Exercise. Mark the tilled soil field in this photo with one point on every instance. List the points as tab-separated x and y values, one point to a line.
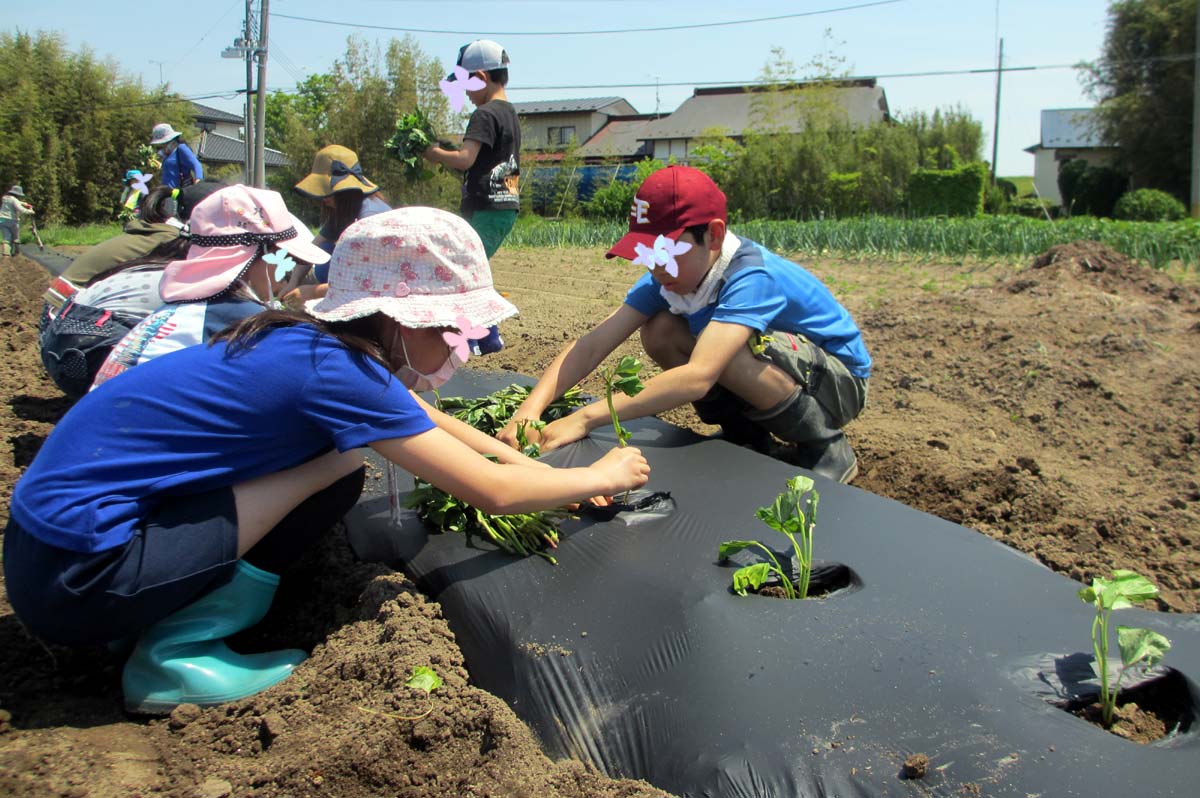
1053	405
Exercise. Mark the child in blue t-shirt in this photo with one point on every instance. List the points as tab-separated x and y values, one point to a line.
756	343
166	501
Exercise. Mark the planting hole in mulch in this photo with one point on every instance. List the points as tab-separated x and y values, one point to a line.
1158	708
827	579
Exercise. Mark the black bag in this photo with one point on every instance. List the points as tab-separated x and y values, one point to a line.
76	342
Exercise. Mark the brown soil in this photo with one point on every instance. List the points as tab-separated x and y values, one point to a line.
1129	721
1054	407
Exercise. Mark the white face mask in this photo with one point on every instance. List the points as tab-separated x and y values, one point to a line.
417	381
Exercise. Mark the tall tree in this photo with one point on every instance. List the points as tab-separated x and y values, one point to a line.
71	125
356	104
1143	82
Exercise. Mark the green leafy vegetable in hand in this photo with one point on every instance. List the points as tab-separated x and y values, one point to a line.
1137	645
414	134
624	378
794	515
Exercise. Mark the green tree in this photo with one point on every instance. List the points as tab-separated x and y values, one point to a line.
70	125
1143	82
356	105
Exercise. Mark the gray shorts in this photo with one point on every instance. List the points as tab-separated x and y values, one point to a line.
822	378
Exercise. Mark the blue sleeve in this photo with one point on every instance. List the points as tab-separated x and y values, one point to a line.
170	170
358	402
192	163
646	297
750	298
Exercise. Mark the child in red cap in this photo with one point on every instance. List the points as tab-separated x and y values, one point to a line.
756	343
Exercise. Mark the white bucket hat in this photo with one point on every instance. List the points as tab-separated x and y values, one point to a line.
423	267
162	133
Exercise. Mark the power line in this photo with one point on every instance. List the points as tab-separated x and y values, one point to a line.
592	32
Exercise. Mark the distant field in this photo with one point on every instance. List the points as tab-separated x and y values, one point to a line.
1024	185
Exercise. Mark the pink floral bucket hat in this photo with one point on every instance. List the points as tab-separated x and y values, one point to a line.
423	267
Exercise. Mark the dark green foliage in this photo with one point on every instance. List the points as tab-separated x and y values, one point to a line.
71	125
1008	187
1070	175
1098	191
1149	205
948	192
844	195
614	200
1143	81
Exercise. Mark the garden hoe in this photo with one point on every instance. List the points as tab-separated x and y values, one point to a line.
37	237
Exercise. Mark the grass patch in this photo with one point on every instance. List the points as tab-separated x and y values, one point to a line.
62	235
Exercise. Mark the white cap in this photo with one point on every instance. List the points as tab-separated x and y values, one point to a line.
482	54
162	133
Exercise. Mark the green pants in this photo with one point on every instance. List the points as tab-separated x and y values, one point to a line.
493	227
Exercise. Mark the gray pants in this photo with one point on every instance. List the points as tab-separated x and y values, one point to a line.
827	396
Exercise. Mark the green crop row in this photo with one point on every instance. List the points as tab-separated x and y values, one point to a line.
1155	243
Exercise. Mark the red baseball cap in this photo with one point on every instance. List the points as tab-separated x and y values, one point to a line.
669	201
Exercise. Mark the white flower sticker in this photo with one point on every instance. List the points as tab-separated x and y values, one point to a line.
661	254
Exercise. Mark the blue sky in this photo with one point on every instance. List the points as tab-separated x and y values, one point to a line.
887	39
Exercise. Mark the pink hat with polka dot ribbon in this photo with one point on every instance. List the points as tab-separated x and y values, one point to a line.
423	267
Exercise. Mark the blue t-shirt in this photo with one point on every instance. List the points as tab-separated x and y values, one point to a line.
762	290
181	168
196	420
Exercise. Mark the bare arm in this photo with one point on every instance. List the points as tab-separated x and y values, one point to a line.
479	441
461	160
714	351
577	360
501	489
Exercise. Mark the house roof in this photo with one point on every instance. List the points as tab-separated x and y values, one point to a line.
570	106
216	148
1070	127
734	109
205	113
621	136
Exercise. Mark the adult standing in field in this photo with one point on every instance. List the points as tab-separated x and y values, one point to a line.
12	207
346	195
490	157
755	342
159	223
180	166
211	469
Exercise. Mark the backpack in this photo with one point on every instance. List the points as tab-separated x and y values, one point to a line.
76	342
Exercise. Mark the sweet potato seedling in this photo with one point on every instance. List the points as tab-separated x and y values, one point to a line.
423	679
1136	645
623	379
413	135
794	515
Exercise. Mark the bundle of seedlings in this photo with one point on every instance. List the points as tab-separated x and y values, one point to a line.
524	534
492	413
414	134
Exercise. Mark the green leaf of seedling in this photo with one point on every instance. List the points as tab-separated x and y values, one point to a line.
1121	591
625	376
424	679
752	577
1141	645
732	547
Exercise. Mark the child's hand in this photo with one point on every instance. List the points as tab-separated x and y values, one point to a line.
567	429
508	435
625	466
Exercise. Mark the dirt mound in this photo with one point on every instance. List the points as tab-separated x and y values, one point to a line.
1092	263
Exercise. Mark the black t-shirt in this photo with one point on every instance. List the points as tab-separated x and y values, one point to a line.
491	182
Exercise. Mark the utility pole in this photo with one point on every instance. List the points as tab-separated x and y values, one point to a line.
160	66
996	129
248	124
260	125
1196	122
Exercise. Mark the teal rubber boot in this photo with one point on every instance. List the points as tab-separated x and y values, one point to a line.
183	658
